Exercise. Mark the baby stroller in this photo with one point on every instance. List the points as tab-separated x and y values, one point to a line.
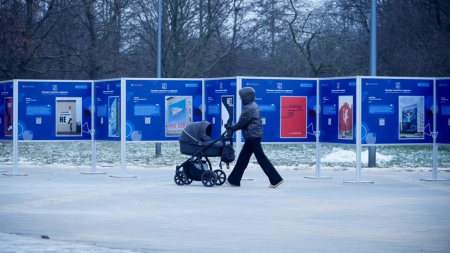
195	140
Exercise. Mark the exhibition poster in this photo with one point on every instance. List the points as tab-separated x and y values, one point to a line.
178	114
293	117
107	114
288	108
227	111
338	117
397	110
54	110
443	111
68	113
411	117
113	116
159	109
345	122
6	110
220	104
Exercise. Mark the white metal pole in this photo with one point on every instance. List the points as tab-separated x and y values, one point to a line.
123	131
358	132
318	111
434	134
94	156
205	98
435	154
317	134
93	112
238	114
317	157
15	130
15	127
92	132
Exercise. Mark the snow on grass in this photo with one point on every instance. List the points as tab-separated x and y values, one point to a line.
338	155
298	156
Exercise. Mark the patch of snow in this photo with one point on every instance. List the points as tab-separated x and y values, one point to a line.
339	155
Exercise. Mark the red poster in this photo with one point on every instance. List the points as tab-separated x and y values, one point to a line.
293	117
8	116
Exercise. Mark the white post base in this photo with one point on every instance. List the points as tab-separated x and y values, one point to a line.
93	173
123	176
359	182
3	171
437	179
17	174
314	177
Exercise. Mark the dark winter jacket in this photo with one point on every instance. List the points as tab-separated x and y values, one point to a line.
250	120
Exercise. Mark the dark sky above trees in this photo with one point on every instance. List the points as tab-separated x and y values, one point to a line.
97	39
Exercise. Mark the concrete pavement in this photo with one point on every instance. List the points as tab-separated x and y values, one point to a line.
97	213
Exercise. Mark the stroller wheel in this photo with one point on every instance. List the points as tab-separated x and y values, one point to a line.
188	181
180	178
221	177
209	178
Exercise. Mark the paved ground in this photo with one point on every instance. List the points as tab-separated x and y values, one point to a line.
97	213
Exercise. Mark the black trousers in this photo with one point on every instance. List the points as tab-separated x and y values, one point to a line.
253	146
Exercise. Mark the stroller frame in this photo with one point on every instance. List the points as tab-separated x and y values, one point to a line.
209	177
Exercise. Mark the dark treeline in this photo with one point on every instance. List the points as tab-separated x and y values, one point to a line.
96	39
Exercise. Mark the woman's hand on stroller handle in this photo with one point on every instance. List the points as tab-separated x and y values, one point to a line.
228	132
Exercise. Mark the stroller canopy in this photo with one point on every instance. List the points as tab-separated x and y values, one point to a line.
196	131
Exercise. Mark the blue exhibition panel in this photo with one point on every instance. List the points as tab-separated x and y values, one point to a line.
6	110
159	109
220	104
396	110
107	112
443	112
54	110
338	102
288	108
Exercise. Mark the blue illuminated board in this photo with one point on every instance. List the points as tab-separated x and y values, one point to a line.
338	117
159	109
288	108
221	104
6	110
108	110
397	110
443	112
54	110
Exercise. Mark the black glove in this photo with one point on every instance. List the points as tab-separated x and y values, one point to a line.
228	127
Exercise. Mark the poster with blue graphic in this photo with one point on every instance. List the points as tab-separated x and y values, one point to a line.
159	109
396	111
338	103
54	110
107	114
288	108
443	111
178	114
220	104
6	110
113	116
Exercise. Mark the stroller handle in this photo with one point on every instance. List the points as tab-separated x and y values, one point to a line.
226	136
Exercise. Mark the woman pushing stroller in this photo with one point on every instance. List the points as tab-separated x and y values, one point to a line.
251	125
